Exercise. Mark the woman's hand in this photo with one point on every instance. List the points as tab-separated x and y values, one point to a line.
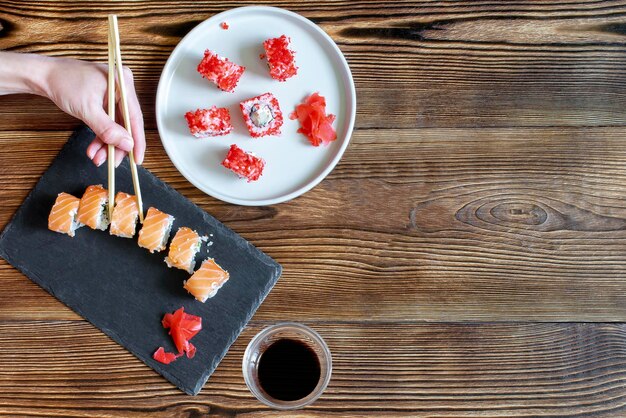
80	89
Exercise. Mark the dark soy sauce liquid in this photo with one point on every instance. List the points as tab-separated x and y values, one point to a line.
288	370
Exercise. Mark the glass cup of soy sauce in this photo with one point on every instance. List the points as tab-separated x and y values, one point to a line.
287	366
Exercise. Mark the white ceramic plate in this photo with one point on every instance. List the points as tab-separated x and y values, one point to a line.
293	166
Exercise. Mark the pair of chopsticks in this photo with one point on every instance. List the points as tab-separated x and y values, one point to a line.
115	65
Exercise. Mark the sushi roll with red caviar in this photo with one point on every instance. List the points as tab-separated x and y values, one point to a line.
280	58
244	164
219	70
262	115
209	122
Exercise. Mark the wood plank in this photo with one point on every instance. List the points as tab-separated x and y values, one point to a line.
458	225
485	182
544	64
488	370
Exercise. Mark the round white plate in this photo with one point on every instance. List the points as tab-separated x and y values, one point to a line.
293	165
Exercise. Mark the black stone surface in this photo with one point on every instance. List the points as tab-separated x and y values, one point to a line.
123	289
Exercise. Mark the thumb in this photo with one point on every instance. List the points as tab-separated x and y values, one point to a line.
108	131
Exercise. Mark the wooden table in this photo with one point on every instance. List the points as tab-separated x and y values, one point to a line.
467	257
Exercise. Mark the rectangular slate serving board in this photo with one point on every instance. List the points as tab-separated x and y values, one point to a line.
123	289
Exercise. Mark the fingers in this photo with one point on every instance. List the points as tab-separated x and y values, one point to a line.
107	130
101	155
136	117
110	133
93	149
119	157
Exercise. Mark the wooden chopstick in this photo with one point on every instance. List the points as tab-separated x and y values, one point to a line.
111	98
126	115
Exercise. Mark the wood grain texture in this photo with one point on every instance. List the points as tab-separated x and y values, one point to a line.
486	370
510	64
485	224
479	208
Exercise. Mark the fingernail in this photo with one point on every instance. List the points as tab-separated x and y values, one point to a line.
91	152
99	161
127	144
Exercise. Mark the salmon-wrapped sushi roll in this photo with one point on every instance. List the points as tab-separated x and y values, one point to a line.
207	280
183	249
63	214
125	214
156	230
93	208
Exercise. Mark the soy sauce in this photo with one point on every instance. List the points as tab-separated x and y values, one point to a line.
288	370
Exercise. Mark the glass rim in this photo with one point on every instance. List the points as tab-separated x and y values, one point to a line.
276	403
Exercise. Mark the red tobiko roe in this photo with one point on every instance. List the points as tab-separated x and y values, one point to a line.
209	122
280	58
183	327
243	163
220	70
314	122
224	25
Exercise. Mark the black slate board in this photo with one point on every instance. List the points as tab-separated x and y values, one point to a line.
123	289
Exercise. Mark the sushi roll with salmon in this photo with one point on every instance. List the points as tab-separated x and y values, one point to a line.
125	214
207	280
219	70
93	208
63	214
280	58
155	230
262	115
183	249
